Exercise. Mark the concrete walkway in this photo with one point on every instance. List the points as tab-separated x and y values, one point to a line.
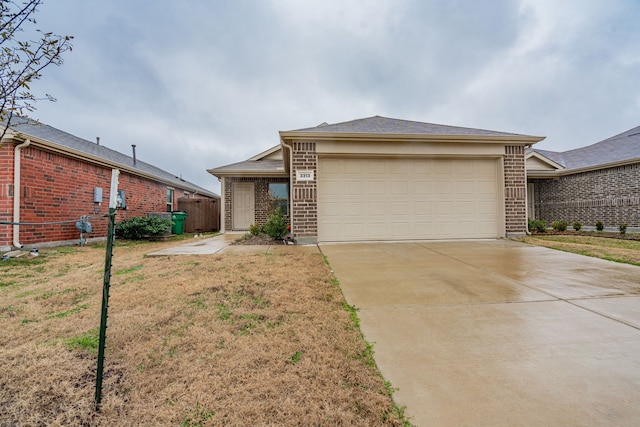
222	244
498	333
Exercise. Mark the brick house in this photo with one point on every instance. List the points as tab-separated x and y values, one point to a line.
599	182
380	178
50	176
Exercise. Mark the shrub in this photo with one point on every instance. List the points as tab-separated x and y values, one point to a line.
577	225
560	225
276	225
140	227
599	226
255	229
623	228
539	225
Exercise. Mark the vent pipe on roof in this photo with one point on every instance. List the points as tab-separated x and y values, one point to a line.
97	140
133	146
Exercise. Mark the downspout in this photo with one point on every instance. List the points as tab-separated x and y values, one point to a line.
16	192
222	216
526	193
284	144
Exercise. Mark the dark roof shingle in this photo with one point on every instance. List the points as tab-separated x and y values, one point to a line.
56	136
618	148
385	125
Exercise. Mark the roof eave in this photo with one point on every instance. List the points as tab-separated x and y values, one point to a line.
81	155
559	173
602	166
218	173
487	139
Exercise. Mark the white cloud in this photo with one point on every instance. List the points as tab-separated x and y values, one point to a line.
202	84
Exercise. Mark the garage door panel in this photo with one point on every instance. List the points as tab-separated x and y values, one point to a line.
485	187
352	188
423	187
400	208
466	187
466	208
376	209
444	188
377	188
399	188
351	167
354	209
397	199
377	167
332	209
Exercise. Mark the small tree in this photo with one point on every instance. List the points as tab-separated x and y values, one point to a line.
22	60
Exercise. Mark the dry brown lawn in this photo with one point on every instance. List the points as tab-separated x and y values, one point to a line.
192	340
612	249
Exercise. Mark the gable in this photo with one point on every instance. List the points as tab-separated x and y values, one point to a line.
537	162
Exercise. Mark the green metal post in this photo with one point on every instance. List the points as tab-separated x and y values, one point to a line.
105	305
115	173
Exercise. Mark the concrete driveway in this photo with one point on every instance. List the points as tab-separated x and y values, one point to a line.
497	332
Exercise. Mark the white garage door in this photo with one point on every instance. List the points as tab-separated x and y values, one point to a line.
400	199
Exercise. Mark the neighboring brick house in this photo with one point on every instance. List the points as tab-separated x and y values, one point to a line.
380	178
600	182
50	176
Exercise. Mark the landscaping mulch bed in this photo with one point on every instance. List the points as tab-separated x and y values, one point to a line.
259	239
606	234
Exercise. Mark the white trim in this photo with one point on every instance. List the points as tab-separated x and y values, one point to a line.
265	153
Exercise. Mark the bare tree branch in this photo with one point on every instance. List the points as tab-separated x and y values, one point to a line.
22	61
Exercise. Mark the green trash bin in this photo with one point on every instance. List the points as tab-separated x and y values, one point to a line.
178	218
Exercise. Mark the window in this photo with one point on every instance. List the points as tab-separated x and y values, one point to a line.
280	194
169	199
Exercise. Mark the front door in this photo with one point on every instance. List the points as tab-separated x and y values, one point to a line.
243	205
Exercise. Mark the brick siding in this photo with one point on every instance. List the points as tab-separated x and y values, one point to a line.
261	197
304	200
515	196
59	188
609	195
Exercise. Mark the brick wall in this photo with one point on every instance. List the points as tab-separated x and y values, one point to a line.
304	201
515	201
609	195
261	197
59	188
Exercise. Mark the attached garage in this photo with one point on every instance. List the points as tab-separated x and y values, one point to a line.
387	179
408	198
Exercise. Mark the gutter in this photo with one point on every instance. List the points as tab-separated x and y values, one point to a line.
16	192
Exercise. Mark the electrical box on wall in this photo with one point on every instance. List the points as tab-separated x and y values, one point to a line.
121	201
97	195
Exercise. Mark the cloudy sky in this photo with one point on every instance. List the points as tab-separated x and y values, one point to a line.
197	84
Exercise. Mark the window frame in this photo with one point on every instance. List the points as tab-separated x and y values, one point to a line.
284	204
170	199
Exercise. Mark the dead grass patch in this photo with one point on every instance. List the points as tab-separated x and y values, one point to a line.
192	340
624	251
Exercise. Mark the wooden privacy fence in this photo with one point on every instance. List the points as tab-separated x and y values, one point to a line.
202	214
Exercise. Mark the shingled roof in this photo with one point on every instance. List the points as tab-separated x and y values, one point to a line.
619	148
28	127
385	125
